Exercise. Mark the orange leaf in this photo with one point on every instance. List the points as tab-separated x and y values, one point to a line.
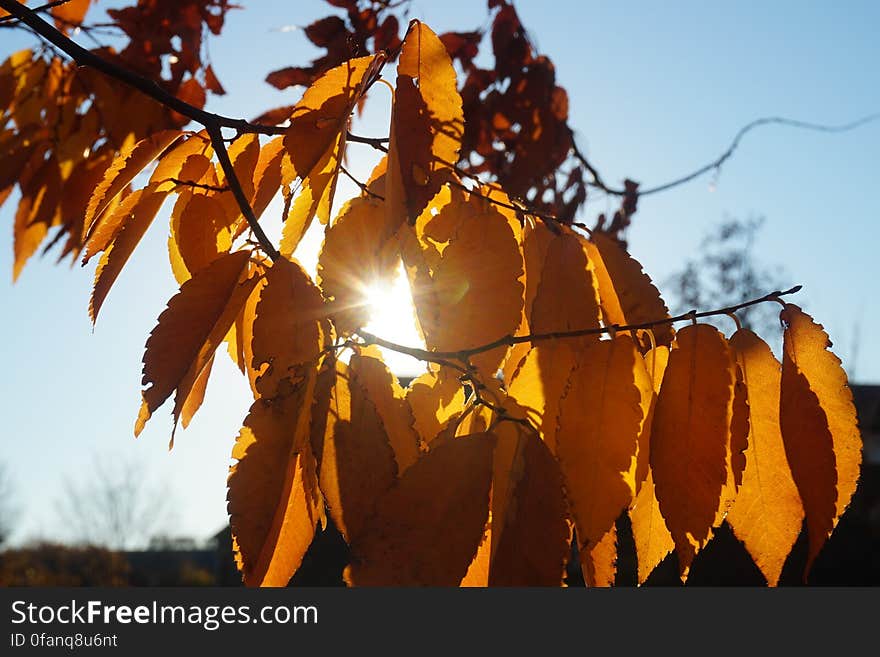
189	329
600	419
652	538
287	327
357	461
538	385
530	536
626	292
427	123
479	268
599	560
384	391
428	526
135	213
565	274
689	437
125	167
355	255
436	399
768	515
819	426
274	502
199	232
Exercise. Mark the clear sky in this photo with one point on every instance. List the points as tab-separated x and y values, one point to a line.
656	90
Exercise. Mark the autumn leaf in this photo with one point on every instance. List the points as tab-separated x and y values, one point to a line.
287	327
125	167
357	461
599	560
480	266
652	539
600	418
274	501
189	329
768	514
131	218
426	125
689	437
819	426
626	292
530	536
426	529
315	142
355	256
436	398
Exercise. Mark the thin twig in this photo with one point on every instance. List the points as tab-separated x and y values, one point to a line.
716	164
46	7
463	355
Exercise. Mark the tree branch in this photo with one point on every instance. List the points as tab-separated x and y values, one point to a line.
716	164
444	357
42	8
213	123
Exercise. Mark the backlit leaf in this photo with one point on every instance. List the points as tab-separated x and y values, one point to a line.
626	292
768	514
125	167
600	418
427	528
435	398
274	503
287	328
136	213
357	461
689	437
599	560
819	426
196	319
652	538
426	125
355	256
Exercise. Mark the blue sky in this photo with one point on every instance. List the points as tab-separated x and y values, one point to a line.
656	90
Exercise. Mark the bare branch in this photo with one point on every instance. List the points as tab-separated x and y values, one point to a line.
716	164
445	357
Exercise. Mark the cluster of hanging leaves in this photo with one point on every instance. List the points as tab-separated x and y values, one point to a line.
516	116
62	126
538	419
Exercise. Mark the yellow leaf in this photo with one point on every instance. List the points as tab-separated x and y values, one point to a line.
427	528
436	398
599	560
189	329
287	327
600	419
480	268
135	213
241	335
652	538
819	426
768	514
355	256
565	274
274	501
530	536
626	292
357	461
199	231
538	385
427	123
370	374
125	167
194	151
244	153
689	437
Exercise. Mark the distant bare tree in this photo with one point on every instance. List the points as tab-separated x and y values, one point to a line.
727	272
8	509
115	505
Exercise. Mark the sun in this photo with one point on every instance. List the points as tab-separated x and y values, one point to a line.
392	317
